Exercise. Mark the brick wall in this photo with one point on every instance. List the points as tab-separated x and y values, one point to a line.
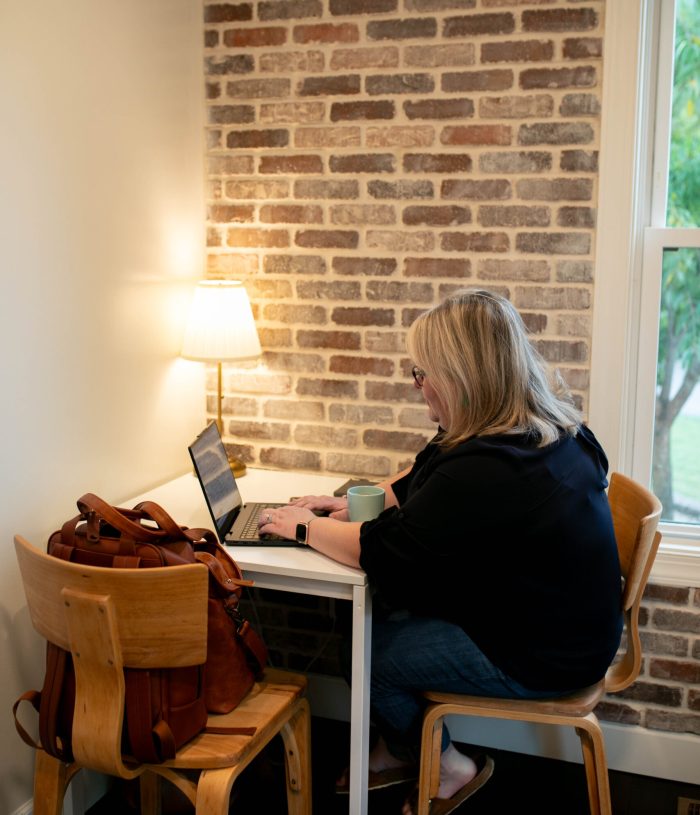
364	158
667	693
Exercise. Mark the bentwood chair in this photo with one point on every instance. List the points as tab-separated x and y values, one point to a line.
636	513
98	615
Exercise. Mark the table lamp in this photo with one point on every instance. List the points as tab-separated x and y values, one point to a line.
220	328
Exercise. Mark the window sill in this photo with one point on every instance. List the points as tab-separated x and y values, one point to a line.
677	562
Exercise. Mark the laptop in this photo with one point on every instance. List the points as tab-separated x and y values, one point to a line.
236	523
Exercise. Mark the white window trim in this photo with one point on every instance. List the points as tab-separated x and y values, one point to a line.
633	28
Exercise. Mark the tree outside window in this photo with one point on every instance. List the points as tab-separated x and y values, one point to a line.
676	455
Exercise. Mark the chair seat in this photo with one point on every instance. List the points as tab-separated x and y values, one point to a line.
577	704
267	702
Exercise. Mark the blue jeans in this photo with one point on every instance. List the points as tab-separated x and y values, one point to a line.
412	654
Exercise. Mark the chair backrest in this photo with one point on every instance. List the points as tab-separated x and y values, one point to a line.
636	513
110	619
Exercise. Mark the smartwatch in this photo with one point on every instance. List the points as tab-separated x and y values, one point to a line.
302	533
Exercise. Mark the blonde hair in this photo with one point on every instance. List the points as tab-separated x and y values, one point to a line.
475	351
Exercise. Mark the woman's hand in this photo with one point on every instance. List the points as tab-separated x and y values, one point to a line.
340	541
335	507
283	521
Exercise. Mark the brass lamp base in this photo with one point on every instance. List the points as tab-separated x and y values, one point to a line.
237	466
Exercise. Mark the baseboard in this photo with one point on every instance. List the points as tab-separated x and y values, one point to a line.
655	753
85	789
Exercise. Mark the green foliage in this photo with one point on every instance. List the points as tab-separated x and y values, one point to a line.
685	443
679	320
679	323
684	169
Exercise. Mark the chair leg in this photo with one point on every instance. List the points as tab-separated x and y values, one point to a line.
431	749
214	786
149	793
595	762
214	790
51	777
296	735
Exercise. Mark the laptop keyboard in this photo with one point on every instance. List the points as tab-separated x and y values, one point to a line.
250	531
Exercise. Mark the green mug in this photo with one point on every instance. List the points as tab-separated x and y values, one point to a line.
365	503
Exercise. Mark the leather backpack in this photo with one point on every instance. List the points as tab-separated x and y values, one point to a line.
164	708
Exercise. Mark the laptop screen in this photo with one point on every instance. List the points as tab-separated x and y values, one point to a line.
218	483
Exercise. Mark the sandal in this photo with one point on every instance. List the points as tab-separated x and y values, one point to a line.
443	806
379	780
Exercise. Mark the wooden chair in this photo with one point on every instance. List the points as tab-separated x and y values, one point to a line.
98	614
636	513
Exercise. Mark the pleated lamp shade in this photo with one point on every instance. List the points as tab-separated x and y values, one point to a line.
220	326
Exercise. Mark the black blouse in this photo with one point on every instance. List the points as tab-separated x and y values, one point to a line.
515	544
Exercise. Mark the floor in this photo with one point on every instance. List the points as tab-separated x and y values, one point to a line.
519	783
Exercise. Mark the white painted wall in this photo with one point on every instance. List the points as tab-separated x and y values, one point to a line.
101	237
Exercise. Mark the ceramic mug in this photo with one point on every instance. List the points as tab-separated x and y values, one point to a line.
365	503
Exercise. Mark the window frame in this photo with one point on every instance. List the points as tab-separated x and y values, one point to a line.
637	81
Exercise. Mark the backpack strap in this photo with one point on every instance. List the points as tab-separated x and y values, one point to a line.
156	513
34	697
227	589
230	731
50	703
225	584
256	650
148	744
119	519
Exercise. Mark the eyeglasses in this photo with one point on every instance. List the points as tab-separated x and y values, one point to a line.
418	375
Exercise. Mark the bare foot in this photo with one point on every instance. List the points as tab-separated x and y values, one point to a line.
379	759
456	770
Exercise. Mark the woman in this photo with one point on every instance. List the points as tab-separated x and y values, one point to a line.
494	563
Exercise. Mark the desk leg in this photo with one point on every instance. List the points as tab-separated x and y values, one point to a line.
359	698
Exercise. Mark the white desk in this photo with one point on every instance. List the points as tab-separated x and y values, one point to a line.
295	569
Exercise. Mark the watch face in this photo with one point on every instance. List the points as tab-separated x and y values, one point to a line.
302	532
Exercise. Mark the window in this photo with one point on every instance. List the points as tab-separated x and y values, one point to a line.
670	294
644	395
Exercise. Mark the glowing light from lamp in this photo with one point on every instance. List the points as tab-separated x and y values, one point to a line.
220	327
